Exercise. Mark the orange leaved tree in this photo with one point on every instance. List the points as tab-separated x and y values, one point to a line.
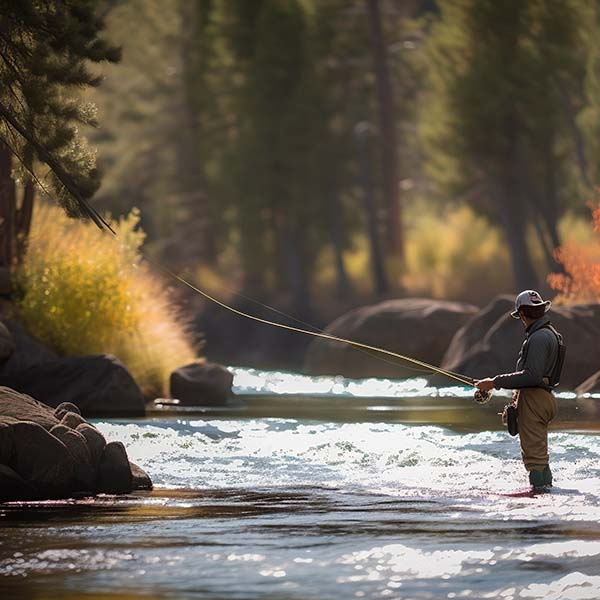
581	280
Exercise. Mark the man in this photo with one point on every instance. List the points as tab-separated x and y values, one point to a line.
538	370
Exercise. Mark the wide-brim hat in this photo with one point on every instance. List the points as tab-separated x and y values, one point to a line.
529	298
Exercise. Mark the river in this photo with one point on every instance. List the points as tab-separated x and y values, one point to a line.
310	508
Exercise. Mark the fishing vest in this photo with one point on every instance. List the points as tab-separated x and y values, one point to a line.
552	379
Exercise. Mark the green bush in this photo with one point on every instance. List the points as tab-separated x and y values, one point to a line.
85	292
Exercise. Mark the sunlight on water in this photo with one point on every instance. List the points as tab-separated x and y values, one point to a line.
395	459
254	381
289	508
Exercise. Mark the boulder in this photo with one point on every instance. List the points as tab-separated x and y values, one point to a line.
590	386
43	461
42	458
201	384
85	473
28	352
114	470
416	327
140	479
99	385
7	443
13	487
490	342
72	420
65	407
24	408
95	441
7	343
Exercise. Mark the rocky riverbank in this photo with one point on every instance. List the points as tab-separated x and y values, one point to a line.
50	453
456	336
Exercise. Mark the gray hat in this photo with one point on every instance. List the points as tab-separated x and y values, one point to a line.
529	298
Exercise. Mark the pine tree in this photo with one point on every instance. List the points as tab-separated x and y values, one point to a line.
494	124
46	49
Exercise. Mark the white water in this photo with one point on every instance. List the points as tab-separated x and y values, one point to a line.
283	508
393	459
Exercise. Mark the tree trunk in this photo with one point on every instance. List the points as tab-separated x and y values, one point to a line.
544	203
298	282
570	115
512	212
192	183
389	149
336	231
378	269
510	197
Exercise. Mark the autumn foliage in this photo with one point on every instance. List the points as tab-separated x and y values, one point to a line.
84	293
581	280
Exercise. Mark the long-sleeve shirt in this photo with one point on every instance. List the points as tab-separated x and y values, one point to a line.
536	359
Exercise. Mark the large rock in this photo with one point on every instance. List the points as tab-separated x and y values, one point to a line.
72	420
24	408
13	487
95	441
7	443
66	407
85	473
28	352
43	461
140	478
415	327
204	384
114	470
489	343
590	386
42	458
99	385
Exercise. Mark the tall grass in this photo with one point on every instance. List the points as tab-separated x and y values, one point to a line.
85	292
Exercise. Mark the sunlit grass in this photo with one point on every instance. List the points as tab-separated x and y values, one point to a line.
86	293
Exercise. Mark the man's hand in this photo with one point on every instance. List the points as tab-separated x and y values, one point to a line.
485	384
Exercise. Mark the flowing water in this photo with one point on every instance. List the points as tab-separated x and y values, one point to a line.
299	508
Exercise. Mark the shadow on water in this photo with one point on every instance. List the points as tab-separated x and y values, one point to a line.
352	513
51	549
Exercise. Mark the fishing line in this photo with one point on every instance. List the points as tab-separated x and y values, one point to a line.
455	376
318	329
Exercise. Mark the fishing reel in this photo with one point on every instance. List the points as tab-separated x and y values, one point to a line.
482	397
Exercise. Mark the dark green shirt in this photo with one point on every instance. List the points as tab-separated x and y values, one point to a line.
536	358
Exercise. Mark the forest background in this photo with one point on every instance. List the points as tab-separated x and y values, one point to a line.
316	155
301	151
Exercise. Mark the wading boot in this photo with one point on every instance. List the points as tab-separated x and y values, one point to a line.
547	476
536	478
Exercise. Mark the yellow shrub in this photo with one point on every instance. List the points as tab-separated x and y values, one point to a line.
455	254
87	293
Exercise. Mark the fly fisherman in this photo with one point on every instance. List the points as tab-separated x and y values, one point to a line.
538	371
